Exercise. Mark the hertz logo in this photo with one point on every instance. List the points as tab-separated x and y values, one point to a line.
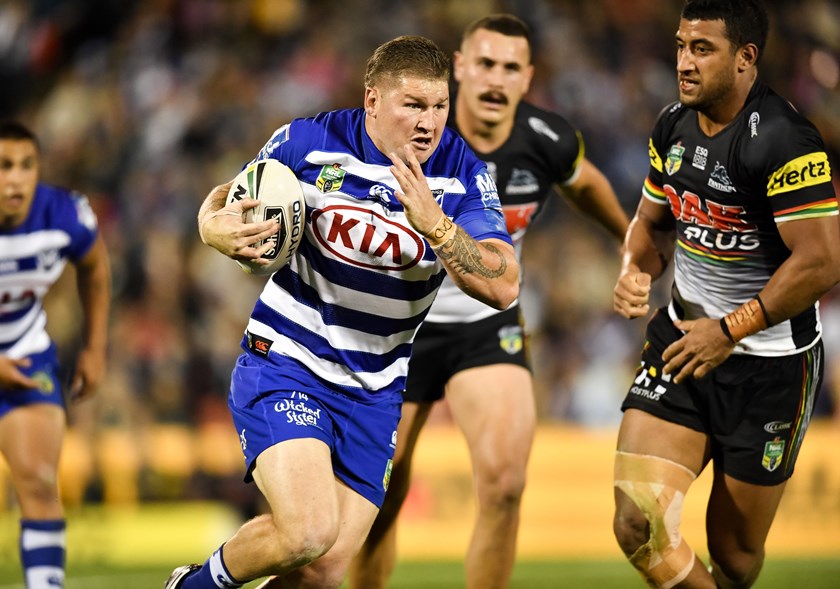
808	170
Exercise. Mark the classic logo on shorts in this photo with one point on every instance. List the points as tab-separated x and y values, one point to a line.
773	452
386	480
45	383
674	161
330	179
510	339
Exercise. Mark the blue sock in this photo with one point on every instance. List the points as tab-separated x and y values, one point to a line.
42	552
212	575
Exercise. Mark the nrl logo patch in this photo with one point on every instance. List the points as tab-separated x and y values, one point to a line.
386	480
674	161
510	339
45	383
330	179
773	452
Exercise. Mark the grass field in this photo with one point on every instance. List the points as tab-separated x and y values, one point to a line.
578	574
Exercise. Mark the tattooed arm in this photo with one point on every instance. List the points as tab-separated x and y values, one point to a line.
475	266
486	270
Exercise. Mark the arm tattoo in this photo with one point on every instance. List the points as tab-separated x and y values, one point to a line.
463	252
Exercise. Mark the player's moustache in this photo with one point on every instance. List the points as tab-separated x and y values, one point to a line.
494	97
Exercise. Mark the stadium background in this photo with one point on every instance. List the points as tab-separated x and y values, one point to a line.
146	104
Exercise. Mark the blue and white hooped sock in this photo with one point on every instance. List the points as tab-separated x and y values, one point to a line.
213	574
42	552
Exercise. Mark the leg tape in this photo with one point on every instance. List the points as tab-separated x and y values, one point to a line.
657	486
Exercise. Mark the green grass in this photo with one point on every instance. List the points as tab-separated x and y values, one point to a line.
576	574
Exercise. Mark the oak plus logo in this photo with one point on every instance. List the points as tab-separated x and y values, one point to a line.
715	225
519	217
366	239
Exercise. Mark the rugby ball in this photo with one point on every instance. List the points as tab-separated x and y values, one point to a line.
280	197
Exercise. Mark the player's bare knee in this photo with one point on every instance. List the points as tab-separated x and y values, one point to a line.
301	543
500	485
657	488
37	482
736	569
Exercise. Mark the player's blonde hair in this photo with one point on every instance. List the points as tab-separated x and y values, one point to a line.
409	55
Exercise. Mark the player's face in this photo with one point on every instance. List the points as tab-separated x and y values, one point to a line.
706	64
494	72
407	111
19	164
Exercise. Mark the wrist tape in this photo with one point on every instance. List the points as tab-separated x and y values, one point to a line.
443	231
746	320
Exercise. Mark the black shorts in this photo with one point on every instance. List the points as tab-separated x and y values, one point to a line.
755	409
441	350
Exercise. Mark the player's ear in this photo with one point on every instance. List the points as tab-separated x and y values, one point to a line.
747	56
372	100
529	75
457	65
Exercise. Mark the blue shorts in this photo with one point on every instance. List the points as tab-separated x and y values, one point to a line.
361	438
44	369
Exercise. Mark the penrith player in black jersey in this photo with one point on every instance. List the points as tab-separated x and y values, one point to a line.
739	193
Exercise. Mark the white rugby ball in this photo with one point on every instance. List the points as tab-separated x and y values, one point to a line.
280	197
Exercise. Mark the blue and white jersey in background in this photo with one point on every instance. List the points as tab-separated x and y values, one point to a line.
60	226
345	310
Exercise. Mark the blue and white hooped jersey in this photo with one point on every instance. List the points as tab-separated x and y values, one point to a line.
60	226
347	307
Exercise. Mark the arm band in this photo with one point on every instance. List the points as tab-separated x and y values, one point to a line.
744	321
443	231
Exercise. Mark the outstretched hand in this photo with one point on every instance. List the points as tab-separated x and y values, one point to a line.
226	230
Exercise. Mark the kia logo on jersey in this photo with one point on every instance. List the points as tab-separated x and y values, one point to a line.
365	238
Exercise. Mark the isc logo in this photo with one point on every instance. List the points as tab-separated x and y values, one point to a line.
365	238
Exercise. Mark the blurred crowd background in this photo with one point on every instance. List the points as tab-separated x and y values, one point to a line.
145	105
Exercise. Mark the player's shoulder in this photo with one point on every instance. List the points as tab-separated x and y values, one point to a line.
327	123
56	206
50	197
771	121
542	124
336	130
671	115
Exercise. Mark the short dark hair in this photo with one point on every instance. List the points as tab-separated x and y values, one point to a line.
409	55
17	132
746	21
506	24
